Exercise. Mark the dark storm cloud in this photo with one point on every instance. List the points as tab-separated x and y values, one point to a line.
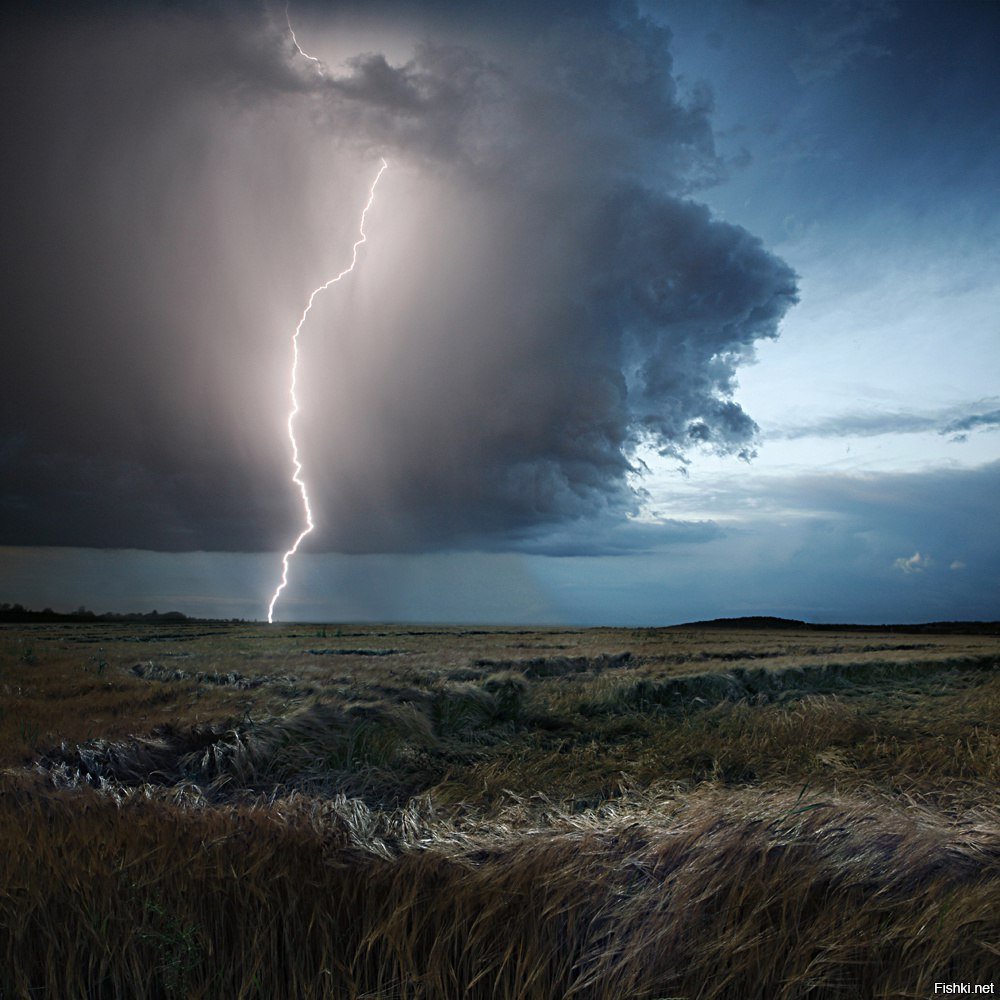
589	97
621	537
938	503
544	298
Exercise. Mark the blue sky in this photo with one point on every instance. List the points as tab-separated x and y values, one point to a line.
590	266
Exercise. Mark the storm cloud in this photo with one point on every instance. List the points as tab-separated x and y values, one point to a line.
541	296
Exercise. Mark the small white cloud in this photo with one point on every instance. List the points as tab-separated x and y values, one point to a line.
914	564
957	565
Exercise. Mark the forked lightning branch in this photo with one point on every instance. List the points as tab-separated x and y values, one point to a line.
295	407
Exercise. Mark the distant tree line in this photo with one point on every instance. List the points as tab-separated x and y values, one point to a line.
18	613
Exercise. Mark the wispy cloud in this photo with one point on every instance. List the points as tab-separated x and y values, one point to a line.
954	421
835	35
960	427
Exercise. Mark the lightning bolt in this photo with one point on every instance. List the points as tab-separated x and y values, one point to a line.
295	42
293	413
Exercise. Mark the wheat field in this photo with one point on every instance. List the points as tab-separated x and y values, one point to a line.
413	813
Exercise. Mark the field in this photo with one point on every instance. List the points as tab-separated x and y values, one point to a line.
405	813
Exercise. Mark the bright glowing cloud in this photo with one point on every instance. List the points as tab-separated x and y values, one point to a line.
916	563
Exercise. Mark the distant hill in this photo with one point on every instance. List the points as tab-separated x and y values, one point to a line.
754	621
769	623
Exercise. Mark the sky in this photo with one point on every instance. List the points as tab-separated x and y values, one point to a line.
667	310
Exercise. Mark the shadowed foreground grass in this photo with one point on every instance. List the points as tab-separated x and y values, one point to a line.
707	895
496	814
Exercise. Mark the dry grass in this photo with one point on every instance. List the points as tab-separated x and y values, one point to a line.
420	814
706	896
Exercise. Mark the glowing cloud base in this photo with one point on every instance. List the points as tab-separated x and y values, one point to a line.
293	413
